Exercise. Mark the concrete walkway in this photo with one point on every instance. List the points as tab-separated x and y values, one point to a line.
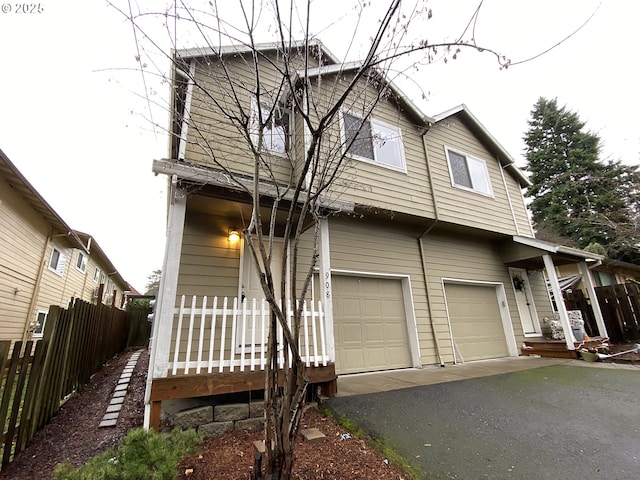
110	418
362	383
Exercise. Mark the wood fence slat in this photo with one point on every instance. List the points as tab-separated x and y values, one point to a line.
8	389
25	434
23	373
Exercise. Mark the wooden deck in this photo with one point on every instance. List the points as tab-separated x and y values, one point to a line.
545	347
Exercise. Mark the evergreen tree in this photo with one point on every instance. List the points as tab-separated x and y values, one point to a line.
577	196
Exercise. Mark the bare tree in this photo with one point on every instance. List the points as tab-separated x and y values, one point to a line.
283	109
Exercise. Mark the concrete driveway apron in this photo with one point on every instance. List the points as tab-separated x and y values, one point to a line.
553	422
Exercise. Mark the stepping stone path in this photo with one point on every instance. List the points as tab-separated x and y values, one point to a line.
117	400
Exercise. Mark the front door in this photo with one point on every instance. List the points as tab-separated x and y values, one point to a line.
524	301
251	287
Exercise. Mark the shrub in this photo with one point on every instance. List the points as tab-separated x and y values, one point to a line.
142	455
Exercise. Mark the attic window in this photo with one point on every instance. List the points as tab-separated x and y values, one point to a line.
373	141
469	173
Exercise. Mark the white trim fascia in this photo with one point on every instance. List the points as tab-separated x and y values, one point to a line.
186	114
503	305
506	189
259	47
348	66
553	248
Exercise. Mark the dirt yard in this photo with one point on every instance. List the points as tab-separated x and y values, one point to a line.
74	435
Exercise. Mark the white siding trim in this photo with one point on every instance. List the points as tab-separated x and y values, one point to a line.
505	315
186	116
326	288
506	189
409	308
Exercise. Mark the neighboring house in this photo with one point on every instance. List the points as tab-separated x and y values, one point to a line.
43	261
605	273
429	258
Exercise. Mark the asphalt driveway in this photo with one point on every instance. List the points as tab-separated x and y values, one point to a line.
556	422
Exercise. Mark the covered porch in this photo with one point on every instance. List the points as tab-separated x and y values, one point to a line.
532	255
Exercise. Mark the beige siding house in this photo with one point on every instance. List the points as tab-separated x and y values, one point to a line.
425	250
44	262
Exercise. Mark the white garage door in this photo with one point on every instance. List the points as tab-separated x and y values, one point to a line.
476	322
370	325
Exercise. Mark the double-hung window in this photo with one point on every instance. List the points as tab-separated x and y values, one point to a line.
57	261
373	141
81	263
275	131
469	173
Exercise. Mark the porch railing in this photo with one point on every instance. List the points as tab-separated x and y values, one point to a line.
214	336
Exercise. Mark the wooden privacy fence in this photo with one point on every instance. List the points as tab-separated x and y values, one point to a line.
35	379
620	307
220	337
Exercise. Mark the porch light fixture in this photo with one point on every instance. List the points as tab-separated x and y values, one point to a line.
234	235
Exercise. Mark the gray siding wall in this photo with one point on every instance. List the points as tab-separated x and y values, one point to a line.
464	207
377	251
464	259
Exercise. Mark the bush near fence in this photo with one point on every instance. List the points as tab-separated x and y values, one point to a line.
39	375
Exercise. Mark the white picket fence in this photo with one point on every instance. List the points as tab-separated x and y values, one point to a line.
223	338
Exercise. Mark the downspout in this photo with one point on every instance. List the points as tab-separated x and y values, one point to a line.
36	289
425	275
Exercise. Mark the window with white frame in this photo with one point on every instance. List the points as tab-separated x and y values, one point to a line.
57	261
468	172
41	318
96	275
81	263
372	140
275	133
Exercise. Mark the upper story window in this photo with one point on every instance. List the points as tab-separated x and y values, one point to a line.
81	263
275	134
469	172
372	140
57	261
96	275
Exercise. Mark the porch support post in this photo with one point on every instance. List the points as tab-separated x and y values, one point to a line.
595	306
557	294
160	342
325	287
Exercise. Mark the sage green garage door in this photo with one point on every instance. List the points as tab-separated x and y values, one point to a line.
476	322
370	325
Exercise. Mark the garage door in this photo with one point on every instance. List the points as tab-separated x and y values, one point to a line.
476	322
370	325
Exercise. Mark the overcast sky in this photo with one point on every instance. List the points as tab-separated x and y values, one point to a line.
76	122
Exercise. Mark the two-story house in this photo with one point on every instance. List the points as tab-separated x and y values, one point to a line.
44	262
426	252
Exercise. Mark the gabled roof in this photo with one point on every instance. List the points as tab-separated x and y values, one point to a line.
404	101
196	52
95	251
489	140
23	188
